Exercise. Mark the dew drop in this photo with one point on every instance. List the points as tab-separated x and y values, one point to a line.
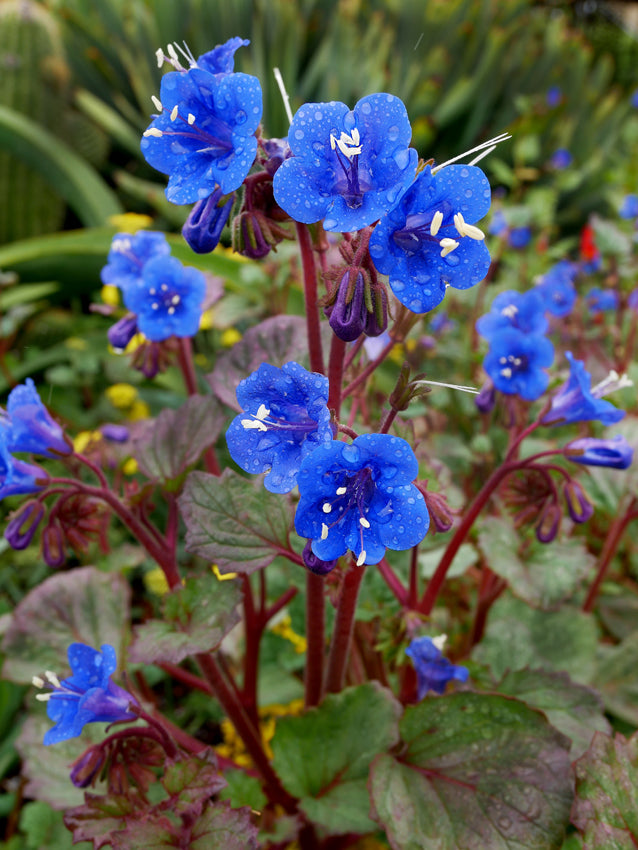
465	172
318	115
402	158
393	133
366	108
299	134
468	193
240	117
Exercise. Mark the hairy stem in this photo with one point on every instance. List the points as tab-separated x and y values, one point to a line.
315	637
343	629
311	295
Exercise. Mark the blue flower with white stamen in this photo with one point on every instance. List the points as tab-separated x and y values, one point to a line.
516	362
360	497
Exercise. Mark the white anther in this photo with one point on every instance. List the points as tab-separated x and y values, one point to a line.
362	558
439	641
159	53
164	287
347	144
191	118
153	131
517	361
157	103
502	360
51	677
262	412
171	310
611	383
173	53
253	425
341	491
506	373
121	245
473	232
44	697
459	223
174	112
437	221
175	299
510	311
38	681
364	522
324	531
448	245
327	507
155	305
152	291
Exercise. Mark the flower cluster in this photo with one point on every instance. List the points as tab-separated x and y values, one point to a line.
164	297
89	695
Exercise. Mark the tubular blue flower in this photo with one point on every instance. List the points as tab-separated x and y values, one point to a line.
167	299
615	453
204	135
128	254
429	240
516	362
577	401
207	219
557	289
29	425
348	166
433	671
524	311
601	300
561	159
221	59
89	695
360	497
122	332
285	419
629	208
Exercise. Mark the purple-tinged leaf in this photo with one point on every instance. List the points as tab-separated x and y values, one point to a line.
234	522
158	832
476	771
177	438
223	828
99	819
191	781
615	678
196	616
605	810
84	606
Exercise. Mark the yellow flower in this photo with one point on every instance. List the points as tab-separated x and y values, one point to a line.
110	295
155	582
84	439
207	320
284	629
130	222
130	467
139	410
76	343
229	337
122	396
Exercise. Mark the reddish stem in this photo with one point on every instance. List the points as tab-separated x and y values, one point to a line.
315	637
393	581
343	629
186	677
254	627
310	291
413	592
612	542
335	374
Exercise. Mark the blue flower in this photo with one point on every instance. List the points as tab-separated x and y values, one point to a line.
17	478
167	299
629	208
348	166
615	453
516	362
557	289
498	224
89	695
561	159
523	311
128	254
361	497
433	671
634	99
207	219
429	240
285	419
29	425
576	401
221	59
601	300
554	96
204	135
519	237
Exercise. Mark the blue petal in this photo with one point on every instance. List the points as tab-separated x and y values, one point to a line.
91	668
221	59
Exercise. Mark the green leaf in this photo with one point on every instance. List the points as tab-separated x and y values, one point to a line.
192	780
83	605
195	619
518	636
234	522
547	576
243	790
575	710
616	678
619	613
44	829
463	560
24	293
99	819
223	828
68	174
323	756
477	771
606	805
177	438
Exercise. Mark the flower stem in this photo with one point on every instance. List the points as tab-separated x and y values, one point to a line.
315	631
186	364
343	629
611	544
310	292
335	374
393	581
369	369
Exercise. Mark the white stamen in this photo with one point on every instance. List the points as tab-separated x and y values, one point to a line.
38	681
174	112
155	305
362	558
439	641
510	311
284	94
164	287
506	373
44	697
175	299
611	383
51	677
448	245
347	144
327	507
170	311
473	232
491	144
459	223
437	221
262	412
364	522
153	131
157	103
159	53
341	491
173	54
502	360
324	531
121	245
426	382
191	119
517	361
152	291
253	424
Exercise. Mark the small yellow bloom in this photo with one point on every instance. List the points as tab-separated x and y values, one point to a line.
76	343
130	467
110	295
139	410
222	576
229	337
130	222
84	439
155	582
284	629
207	320
397	354
122	396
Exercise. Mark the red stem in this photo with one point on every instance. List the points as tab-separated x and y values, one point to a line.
186	677
612	542
413	592
335	374
393	581
311	295
315	637
254	627
187	366
343	629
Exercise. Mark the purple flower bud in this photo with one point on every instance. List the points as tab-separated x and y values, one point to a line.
206	221
115	433
432	669
377	318
122	332
440	512
348	315
277	150
53	546
85	769
579	507
486	399
315	564
615	453
548	522
22	527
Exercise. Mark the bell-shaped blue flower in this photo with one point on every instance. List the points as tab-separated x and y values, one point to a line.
204	135
433	671
519	237
576	401
128	254
524	311
30	426
601	300
285	419
360	497
629	207
516	362
561	159
17	478
89	695
348	167
615	453
429	240
557	289
167	299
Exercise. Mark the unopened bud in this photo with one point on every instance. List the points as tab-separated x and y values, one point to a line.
22	527
85	769
122	332
579	507
440	512
206	221
53	546
486	399
548	522
315	564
